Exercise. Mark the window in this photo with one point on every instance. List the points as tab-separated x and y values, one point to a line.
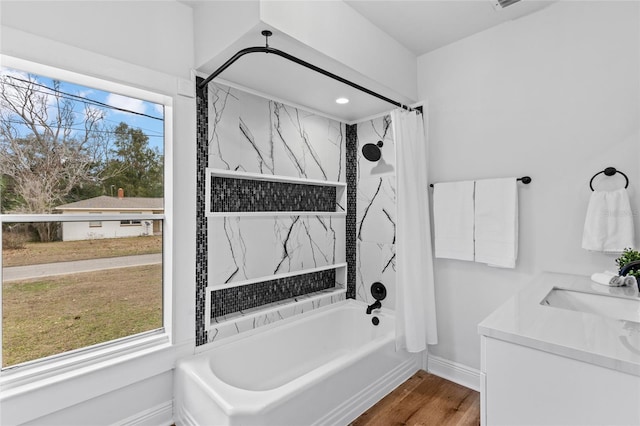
131	222
87	137
95	223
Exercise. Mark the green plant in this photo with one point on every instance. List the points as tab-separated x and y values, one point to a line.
628	255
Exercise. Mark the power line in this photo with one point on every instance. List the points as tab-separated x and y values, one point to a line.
146	131
82	130
81	98
76	97
151	132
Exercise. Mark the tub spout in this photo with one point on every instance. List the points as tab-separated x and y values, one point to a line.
376	305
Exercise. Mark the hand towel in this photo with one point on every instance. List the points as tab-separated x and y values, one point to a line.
608	226
496	222
608	278
453	220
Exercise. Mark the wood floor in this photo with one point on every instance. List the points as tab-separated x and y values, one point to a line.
426	400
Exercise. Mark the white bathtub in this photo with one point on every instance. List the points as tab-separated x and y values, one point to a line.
326	366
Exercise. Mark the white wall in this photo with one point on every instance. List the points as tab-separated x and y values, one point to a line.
218	24
554	95
326	26
154	34
73	231
147	45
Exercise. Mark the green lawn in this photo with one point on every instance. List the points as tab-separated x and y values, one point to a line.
57	314
61	251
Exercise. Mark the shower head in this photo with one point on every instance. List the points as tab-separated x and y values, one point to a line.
372	151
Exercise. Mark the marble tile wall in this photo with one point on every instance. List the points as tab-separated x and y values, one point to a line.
244	248
248	133
253	134
376	212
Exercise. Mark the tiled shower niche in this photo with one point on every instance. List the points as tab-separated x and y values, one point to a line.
234	192
242	298
250	304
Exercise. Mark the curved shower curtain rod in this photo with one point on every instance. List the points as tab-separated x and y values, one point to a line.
267	49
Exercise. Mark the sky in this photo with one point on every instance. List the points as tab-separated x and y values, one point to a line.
137	113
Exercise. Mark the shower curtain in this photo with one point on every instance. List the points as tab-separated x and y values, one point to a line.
415	297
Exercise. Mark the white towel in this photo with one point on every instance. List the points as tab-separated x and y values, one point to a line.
496	222
612	279
608	226
453	220
607	278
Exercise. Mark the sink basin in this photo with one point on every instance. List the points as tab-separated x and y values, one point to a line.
621	308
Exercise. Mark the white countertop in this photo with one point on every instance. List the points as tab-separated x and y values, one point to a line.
591	338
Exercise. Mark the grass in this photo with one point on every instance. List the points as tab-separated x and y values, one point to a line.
62	251
57	314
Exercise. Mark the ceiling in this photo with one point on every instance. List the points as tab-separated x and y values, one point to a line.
423	26
419	25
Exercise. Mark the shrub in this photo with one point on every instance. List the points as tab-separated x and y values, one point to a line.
14	240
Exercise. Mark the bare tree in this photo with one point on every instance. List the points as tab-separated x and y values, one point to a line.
45	149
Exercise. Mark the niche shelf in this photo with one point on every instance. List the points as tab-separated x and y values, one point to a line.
231	193
339	288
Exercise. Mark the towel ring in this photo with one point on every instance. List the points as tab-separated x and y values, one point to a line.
609	171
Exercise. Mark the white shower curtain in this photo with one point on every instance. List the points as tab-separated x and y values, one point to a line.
415	297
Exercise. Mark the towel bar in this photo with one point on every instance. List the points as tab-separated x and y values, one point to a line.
524	179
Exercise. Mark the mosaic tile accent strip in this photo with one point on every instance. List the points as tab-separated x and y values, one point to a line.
246	195
202	160
236	299
352	183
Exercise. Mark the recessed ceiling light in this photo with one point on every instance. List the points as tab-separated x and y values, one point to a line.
342	101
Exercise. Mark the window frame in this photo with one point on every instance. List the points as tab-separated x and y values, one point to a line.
126	347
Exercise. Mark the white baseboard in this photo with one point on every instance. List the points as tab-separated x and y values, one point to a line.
365	399
453	371
161	414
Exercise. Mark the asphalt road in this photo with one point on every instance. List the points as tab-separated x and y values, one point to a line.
16	273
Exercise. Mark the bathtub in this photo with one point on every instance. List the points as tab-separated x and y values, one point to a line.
326	366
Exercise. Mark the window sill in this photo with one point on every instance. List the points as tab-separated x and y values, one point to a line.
33	391
24	377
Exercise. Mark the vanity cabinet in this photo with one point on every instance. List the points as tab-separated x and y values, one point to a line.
525	386
549	362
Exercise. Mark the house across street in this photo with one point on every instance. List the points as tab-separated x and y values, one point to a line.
103	204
